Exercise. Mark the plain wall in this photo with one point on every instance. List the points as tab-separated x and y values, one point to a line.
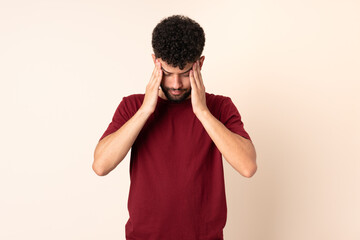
291	67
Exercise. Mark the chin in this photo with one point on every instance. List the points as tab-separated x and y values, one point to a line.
179	98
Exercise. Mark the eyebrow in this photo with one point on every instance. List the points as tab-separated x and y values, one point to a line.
179	73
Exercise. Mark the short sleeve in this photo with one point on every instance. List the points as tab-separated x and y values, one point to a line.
121	116
231	118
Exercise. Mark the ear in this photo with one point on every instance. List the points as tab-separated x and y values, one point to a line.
201	60
154	58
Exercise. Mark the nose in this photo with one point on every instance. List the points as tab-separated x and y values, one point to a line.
177	83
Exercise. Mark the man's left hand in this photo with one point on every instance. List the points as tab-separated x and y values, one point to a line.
198	97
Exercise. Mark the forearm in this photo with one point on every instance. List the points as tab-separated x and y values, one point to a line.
238	151
112	149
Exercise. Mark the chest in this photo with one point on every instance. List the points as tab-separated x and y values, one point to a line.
175	126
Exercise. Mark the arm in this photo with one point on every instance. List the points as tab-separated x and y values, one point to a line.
238	151
112	149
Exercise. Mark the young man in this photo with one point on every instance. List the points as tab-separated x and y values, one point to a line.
178	134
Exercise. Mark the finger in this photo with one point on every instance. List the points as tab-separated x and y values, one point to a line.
159	76
154	71
199	74
192	80
196	74
156	81
154	78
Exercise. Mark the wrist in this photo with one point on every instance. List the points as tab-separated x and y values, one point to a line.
203	113
144	111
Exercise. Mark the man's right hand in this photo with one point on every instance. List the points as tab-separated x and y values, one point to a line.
112	149
152	90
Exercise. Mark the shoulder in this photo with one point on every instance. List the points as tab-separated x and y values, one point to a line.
131	102
217	104
215	99
134	97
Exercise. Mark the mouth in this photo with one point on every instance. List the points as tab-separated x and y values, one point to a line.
176	92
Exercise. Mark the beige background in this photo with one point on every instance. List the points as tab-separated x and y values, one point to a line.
291	68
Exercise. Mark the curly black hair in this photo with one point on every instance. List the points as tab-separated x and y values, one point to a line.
178	40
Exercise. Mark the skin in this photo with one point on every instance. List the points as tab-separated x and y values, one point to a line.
175	78
237	150
112	149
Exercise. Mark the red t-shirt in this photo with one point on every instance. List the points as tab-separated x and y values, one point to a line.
177	189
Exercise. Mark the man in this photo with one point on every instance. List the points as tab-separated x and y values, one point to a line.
177	133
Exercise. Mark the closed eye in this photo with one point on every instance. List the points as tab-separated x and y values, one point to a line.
184	75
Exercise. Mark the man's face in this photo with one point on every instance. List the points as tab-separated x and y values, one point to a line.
175	83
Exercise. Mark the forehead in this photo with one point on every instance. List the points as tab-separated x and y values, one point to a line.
171	69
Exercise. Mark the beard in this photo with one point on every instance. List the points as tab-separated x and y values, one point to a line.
175	98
